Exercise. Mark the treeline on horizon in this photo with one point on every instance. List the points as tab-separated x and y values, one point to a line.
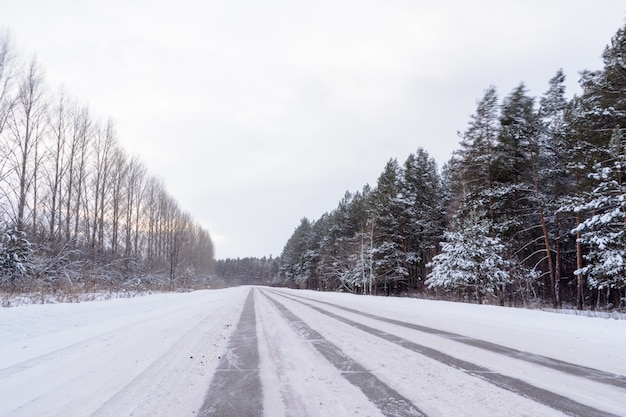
530	209
77	213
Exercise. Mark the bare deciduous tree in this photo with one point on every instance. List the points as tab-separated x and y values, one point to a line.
72	197
104	146
76	174
7	99
26	125
134	195
59	121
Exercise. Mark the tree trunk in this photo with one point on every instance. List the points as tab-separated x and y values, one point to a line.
579	266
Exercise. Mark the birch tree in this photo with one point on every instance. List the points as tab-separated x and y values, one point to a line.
7	100
59	125
26	122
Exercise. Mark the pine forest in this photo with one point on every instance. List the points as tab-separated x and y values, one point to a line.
530	209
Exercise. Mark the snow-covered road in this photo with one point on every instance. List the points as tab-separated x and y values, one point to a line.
276	352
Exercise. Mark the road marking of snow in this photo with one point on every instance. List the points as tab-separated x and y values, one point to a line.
389	401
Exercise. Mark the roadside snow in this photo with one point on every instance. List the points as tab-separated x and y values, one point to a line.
70	359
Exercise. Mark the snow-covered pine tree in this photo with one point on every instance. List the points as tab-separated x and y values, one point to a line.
554	180
389	232
15	251
295	265
604	98
591	120
471	258
423	213
604	232
339	248
360	260
499	151
470	174
512	167
476	155
518	196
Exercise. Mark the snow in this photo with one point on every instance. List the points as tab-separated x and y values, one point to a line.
156	355
301	387
70	359
597	343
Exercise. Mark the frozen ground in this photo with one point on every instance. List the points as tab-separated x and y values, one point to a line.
276	352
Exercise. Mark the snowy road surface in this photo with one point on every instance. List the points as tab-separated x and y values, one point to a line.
276	352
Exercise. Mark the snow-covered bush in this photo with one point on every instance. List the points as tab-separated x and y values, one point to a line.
15	251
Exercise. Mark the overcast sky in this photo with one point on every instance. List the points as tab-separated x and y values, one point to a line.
258	113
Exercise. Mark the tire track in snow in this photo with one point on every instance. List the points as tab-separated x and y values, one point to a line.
274	351
389	401
540	395
236	386
556	364
170	375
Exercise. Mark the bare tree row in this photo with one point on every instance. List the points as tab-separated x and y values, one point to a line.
75	208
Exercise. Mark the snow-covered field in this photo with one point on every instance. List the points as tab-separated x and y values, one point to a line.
309	354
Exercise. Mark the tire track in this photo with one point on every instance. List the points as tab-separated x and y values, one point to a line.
603	377
287	399
164	376
540	395
236	386
389	401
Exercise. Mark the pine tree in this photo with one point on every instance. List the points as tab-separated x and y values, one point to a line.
296	266
603	96
389	232
470	174
422	213
15	258
604	232
476	167
554	178
591	119
518	204
471	259
338	248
